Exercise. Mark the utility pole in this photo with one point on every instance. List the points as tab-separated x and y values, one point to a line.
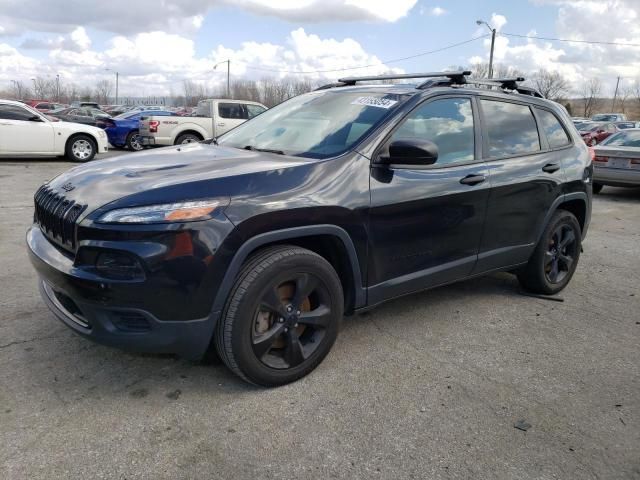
493	43
58	87
228	62
117	79
615	95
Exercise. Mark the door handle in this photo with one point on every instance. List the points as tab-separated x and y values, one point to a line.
221	124
551	167
472	179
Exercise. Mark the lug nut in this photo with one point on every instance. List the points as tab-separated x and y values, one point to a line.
296	325
289	308
298	312
281	320
286	329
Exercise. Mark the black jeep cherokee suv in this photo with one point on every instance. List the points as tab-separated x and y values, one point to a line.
332	202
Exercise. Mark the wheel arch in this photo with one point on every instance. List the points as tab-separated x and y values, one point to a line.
187	132
576	203
331	242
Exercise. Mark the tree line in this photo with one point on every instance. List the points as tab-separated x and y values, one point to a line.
584	99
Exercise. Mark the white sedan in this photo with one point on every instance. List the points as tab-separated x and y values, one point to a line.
24	131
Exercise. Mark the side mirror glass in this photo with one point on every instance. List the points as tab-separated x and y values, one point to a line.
410	151
34	118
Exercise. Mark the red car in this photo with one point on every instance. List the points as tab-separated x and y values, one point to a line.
44	106
594	133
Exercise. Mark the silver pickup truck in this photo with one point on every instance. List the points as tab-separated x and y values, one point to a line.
213	118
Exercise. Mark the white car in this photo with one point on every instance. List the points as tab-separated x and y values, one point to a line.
24	131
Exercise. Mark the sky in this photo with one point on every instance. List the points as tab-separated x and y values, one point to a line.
157	44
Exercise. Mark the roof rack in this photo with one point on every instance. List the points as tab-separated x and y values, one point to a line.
443	79
454	77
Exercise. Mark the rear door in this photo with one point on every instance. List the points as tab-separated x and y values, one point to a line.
526	174
20	135
426	221
229	115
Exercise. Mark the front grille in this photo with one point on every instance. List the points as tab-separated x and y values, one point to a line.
57	216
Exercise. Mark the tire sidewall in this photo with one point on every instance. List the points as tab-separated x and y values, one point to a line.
243	304
561	217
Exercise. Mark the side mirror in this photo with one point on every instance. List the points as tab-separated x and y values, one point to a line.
34	118
410	151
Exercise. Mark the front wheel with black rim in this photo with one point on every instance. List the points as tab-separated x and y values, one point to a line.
282	316
133	141
81	148
556	256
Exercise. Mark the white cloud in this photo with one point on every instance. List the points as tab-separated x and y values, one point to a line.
128	17
438	11
152	63
498	21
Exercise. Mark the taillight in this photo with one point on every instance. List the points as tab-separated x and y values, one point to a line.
599	158
153	126
635	161
592	153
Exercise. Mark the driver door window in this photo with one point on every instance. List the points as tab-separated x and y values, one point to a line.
448	123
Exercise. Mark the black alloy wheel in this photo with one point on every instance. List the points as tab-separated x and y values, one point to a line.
561	254
291	321
282	316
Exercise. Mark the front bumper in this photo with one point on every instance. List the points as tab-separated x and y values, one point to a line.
91	307
616	177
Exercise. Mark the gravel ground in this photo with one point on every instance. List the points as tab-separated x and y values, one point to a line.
428	386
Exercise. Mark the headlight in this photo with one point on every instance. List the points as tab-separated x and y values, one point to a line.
164	213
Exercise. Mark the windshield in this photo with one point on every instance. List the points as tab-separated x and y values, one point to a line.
623	139
319	124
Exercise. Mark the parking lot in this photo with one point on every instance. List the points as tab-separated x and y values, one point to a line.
427	386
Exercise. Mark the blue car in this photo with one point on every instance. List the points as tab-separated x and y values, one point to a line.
122	130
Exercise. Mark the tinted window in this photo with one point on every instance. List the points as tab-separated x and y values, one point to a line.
232	111
448	123
511	129
556	135
12	112
254	110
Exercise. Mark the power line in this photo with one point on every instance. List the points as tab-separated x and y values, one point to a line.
592	42
386	62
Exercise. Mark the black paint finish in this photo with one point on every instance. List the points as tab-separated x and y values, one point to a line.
398	229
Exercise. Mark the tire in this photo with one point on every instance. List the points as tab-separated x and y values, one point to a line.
133	141
549	261
81	148
597	188
276	280
187	138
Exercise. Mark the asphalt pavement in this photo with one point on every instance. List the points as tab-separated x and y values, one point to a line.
469	381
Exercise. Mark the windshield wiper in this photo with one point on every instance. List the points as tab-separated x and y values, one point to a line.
268	150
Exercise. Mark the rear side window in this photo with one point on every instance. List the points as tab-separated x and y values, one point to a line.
510	128
234	111
556	135
12	112
254	110
448	123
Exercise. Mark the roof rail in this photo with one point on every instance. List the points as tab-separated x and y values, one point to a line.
443	79
453	76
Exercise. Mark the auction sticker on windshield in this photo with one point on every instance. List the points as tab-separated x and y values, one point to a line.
374	102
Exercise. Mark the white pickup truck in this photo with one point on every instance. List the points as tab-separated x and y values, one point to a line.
213	118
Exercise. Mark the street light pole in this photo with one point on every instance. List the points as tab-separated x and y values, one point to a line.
117	78
228	62
493	42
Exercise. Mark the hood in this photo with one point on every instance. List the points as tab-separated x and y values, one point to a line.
180	172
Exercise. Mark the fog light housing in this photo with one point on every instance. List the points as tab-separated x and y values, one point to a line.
119	266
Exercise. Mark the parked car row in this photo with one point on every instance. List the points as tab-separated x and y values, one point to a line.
601	126
617	161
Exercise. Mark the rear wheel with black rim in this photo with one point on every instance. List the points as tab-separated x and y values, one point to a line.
556	256
282	316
